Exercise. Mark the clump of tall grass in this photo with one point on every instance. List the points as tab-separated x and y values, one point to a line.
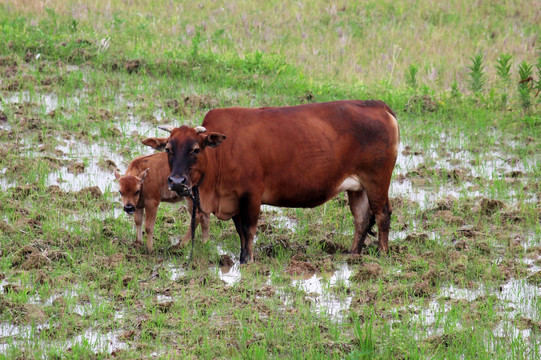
525	72
477	75
411	76
503	70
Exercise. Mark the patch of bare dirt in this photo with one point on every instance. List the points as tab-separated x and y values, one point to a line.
7	61
10	71
30	123
226	261
332	247
93	192
489	206
132	66
367	272
108	165
33	314
200	101
300	268
417	237
408	151
12	86
6	228
422	289
527	323
421	103
445	340
113	260
448	217
535	279
76	168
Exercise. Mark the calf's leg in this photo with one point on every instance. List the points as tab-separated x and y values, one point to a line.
151	210
138	217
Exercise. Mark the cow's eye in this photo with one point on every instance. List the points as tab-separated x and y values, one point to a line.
137	192
196	150
120	192
167	150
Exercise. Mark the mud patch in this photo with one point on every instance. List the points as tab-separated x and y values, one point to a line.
368	272
299	268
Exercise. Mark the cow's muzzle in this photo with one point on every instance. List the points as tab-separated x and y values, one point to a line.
129	209
179	184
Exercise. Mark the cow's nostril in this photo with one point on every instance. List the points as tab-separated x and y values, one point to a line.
177	181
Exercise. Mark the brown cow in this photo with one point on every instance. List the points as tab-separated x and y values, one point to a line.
143	188
297	156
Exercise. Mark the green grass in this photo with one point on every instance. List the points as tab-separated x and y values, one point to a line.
72	279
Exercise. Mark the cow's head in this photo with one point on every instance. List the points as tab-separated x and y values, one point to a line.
130	189
187	156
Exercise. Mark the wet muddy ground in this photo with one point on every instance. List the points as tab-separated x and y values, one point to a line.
465	243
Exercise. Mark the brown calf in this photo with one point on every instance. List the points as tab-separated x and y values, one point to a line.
143	188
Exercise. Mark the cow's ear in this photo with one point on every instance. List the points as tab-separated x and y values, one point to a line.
155	142
212	139
142	175
117	175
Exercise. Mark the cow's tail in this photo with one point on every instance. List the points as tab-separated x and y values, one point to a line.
370	231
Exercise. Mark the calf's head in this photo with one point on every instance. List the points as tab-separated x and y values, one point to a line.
187	156
130	188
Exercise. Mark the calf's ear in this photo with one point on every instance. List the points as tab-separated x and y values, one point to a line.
155	142
213	139
117	175
142	175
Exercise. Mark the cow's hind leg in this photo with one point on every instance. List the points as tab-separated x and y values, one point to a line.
362	218
382	210
246	225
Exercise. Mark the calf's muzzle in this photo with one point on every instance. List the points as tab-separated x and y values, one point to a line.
130	209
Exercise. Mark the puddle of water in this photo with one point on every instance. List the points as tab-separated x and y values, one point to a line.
319	289
279	218
490	165
162	299
22	336
521	296
49	101
5	183
93	175
230	275
175	272
426	196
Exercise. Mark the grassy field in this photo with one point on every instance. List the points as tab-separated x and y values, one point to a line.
81	83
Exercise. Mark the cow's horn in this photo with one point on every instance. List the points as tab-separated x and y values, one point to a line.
166	127
200	129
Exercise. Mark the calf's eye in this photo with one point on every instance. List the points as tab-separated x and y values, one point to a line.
137	192
120	192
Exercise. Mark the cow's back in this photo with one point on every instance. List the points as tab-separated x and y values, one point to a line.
301	154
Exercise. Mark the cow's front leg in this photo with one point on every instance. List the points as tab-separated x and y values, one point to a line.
138	217
246	225
204	220
151	210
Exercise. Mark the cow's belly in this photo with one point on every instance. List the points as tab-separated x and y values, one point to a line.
309	196
351	183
